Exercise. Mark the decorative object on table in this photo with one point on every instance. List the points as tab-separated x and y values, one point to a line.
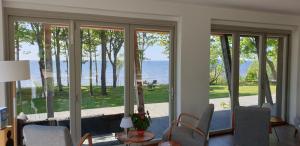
13	71
3	117
22	116
141	121
297	125
126	123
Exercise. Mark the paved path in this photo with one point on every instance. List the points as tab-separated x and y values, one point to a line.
155	109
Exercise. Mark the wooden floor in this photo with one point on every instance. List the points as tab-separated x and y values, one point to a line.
285	133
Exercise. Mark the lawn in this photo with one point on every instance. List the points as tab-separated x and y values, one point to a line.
26	104
220	91
159	94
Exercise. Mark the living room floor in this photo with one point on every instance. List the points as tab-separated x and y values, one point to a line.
285	134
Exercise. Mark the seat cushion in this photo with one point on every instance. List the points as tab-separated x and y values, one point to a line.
36	135
184	137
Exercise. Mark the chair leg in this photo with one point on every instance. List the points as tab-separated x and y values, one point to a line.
296	131
276	134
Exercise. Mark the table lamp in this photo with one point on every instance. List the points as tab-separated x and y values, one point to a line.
126	123
14	71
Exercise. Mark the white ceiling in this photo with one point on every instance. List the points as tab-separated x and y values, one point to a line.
277	6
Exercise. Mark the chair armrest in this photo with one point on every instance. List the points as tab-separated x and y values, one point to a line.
86	136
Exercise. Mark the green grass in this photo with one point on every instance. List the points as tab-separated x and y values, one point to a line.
115	96
221	91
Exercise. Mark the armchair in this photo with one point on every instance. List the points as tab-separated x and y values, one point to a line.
187	133
36	135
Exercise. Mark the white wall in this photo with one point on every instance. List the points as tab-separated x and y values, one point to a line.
194	23
2	93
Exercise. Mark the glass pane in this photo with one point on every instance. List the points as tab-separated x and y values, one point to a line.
102	81
249	67
271	64
152	70
219	93
46	47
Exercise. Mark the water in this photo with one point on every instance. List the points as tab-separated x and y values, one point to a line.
152	70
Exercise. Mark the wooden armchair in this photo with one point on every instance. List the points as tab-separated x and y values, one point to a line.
36	135
185	132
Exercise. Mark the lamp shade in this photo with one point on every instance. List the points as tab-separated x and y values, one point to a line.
14	71
126	122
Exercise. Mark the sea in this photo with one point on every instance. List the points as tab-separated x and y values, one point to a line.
151	70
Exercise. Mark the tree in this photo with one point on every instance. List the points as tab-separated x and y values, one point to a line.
22	34
272	57
104	39
116	41
65	51
38	35
145	40
90	41
252	72
57	43
164	41
216	64
49	70
249	51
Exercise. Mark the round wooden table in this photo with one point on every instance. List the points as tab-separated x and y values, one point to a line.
168	143
133	137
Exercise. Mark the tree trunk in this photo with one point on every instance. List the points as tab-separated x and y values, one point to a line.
114	66
91	73
38	30
18	56
49	71
226	59
67	60
268	95
103	38
96	67
57	59
272	67
91	63
138	76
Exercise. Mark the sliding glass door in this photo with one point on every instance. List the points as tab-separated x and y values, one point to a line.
45	45
85	75
220	81
246	69
102	80
45	96
152	74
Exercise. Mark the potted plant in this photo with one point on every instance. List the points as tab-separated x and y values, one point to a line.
141	122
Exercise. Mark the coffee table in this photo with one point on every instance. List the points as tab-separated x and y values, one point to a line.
134	137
